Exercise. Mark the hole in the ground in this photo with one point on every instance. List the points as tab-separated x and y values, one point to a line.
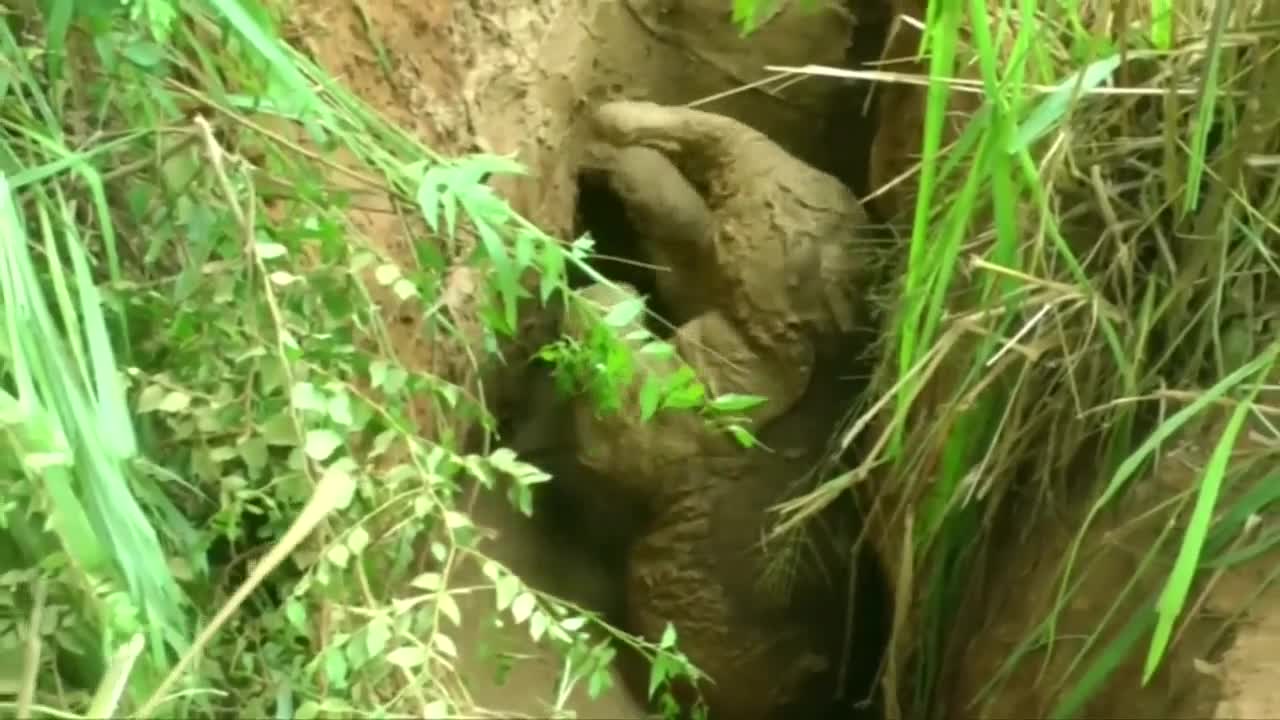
575	507
847	130
853	632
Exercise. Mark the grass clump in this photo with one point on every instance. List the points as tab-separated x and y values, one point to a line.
211	444
1089	281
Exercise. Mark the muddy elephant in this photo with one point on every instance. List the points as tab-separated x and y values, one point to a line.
765	286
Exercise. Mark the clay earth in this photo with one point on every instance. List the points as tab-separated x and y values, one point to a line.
520	79
763	273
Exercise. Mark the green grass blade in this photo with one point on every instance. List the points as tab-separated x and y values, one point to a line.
1174	596
1206	106
1109	660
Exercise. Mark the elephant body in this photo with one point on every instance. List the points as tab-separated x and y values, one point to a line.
767	623
764	280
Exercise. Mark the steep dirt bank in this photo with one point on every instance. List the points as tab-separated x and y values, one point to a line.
516	78
1223	661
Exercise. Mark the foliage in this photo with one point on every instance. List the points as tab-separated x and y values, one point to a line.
1090	274
199	380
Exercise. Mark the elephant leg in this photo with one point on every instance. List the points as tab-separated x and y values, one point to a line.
674	225
712	151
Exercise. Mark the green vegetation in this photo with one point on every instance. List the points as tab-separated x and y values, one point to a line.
211	444
1091	274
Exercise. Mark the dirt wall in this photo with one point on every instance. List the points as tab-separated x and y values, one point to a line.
1223	656
516	78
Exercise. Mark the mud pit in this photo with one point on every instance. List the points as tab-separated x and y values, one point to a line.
523	78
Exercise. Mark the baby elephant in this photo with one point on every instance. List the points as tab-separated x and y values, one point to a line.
765	279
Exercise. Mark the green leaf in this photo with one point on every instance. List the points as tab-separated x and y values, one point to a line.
150	398
659	349
445	645
407	657
428	195
283	279
688	395
657	673
449	608
320	444
538	624
404	289
377	635
335	666
625	312
339	407
143	54
599	681
339	555
357	540
523	607
296	613
280	430
650	397
1055	105
306	398
337	480
429	581
734	402
668	637
552	262
1174	596
174	402
507	586
386	274
742	436
270	250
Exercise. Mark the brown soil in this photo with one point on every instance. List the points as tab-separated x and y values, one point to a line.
1217	665
510	77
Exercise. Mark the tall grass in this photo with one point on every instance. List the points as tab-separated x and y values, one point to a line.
1089	275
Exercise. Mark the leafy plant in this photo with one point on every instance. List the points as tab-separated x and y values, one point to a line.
212	428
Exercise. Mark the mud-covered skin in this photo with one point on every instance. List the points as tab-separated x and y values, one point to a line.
581	503
764	264
772	649
764	270
784	235
678	227
772	643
